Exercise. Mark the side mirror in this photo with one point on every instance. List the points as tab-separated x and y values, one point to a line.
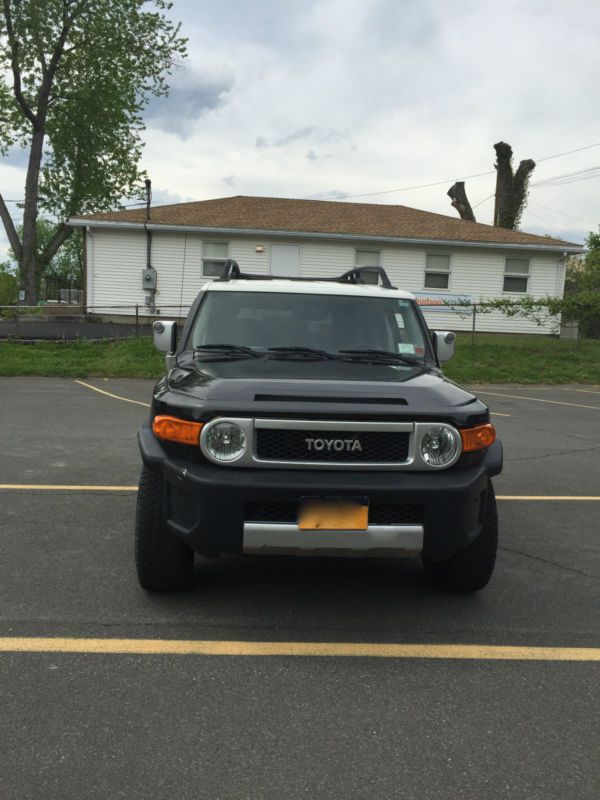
165	336
443	345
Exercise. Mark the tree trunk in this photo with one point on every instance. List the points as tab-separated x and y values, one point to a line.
511	189
458	196
29	265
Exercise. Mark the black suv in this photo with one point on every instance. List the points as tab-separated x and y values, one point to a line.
311	417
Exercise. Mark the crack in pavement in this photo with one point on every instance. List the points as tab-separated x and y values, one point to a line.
548	561
555	454
551	431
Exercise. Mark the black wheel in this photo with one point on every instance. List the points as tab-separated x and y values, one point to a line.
163	563
470	569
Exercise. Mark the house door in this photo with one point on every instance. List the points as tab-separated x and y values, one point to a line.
285	260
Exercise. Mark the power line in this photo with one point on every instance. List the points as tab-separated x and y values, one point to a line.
420	186
409	188
541	205
568	152
485	199
544	222
588	174
561	213
465	178
130	205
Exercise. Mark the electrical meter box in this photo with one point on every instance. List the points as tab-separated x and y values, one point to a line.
149	278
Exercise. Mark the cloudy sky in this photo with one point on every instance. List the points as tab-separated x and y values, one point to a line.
365	99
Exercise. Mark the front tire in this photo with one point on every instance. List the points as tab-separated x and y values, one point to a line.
470	569
162	562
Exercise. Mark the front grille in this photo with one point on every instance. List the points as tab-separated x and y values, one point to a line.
273	444
379	513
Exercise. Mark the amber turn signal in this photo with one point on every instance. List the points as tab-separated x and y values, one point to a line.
176	430
477	438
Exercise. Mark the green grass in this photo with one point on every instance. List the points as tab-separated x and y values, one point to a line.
524	359
128	358
492	359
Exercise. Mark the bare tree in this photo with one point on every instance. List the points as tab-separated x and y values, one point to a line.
511	190
460	201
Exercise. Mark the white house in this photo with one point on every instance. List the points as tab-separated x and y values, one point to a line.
161	262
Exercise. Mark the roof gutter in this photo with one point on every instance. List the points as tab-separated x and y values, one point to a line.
155	226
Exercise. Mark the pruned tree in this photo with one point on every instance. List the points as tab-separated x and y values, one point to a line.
80	73
458	195
511	190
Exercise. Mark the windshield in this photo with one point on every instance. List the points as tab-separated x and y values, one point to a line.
334	323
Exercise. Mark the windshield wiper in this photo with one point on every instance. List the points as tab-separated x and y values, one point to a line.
308	353
218	351
380	357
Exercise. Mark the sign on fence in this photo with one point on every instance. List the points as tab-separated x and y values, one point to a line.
443	301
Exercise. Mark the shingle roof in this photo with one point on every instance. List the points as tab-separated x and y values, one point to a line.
326	217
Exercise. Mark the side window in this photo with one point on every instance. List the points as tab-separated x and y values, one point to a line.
516	275
437	271
368	258
214	256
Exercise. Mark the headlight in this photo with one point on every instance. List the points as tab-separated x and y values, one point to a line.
438	446
226	441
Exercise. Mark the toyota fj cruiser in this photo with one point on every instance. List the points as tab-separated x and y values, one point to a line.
310	417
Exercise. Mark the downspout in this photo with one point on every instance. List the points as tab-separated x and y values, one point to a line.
149	273
561	274
88	264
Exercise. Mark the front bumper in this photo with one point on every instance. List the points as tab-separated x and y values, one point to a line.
205	505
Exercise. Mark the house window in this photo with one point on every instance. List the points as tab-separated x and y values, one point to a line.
437	271
214	256
516	274
368	258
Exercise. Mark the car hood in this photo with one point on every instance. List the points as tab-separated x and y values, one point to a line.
304	388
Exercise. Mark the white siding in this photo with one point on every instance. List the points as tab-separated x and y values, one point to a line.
177	259
116	260
480	274
321	259
405	267
244	252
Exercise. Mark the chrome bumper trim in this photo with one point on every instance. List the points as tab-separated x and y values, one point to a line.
400	541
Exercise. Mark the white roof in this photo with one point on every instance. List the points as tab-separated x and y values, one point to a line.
279	285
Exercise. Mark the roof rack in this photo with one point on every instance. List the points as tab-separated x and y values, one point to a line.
232	271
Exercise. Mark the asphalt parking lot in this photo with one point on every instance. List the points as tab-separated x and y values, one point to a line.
166	725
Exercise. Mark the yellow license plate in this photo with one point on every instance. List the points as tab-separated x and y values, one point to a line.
333	515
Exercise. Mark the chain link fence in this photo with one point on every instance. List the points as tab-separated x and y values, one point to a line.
57	321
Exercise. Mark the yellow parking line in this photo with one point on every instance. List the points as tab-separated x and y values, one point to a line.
545	498
110	394
584	391
10	644
58	487
538	400
65	488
